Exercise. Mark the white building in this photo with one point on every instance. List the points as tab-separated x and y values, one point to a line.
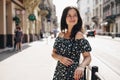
86	10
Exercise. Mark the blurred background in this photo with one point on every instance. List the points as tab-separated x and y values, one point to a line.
40	23
43	16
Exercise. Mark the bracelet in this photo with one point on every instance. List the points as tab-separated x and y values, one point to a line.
81	66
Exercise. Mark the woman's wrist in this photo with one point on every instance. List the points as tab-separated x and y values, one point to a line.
81	68
60	58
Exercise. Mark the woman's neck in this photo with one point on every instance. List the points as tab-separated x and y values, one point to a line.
69	30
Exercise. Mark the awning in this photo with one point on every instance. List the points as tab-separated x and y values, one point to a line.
95	19
110	19
117	1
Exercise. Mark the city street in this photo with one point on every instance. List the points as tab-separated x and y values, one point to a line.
34	62
35	23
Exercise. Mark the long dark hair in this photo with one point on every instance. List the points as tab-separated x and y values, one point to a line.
76	28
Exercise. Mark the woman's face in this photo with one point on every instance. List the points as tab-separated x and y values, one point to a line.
72	17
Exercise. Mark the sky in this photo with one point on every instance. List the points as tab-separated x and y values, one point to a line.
61	4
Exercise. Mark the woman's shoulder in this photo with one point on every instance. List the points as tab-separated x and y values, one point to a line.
79	35
61	35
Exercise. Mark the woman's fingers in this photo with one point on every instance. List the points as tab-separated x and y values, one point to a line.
78	74
69	61
66	61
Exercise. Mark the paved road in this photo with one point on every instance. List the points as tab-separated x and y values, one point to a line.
33	63
105	55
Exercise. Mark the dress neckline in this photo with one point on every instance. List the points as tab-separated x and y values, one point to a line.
71	39
65	38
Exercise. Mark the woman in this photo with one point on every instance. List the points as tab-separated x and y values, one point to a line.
68	47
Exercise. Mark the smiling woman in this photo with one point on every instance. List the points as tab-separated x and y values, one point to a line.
69	45
61	4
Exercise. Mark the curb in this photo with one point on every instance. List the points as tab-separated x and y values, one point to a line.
6	49
109	37
11	48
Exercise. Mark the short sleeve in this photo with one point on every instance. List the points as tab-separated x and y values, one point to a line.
85	46
56	43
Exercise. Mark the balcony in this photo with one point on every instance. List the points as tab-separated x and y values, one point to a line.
44	10
95	19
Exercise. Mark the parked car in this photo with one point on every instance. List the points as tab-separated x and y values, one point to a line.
90	33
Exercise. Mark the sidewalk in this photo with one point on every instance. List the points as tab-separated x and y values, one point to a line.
5	49
11	48
32	63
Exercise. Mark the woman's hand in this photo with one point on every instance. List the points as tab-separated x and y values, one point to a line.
66	61
79	72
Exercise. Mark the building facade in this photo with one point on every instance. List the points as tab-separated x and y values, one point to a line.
98	15
28	15
111	17
86	11
105	15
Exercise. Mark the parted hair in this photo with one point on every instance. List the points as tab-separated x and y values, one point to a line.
77	27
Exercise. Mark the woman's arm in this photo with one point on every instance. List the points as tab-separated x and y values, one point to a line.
64	60
79	72
86	55
86	59
56	56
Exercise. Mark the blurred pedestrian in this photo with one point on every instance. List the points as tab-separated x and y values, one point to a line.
18	38
15	39
41	34
55	33
69	45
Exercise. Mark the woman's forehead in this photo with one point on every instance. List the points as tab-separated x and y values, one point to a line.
72	11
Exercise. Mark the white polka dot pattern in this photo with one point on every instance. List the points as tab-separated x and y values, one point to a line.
72	49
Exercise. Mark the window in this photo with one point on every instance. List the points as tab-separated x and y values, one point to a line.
118	8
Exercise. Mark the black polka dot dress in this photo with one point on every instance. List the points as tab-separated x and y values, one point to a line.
72	49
